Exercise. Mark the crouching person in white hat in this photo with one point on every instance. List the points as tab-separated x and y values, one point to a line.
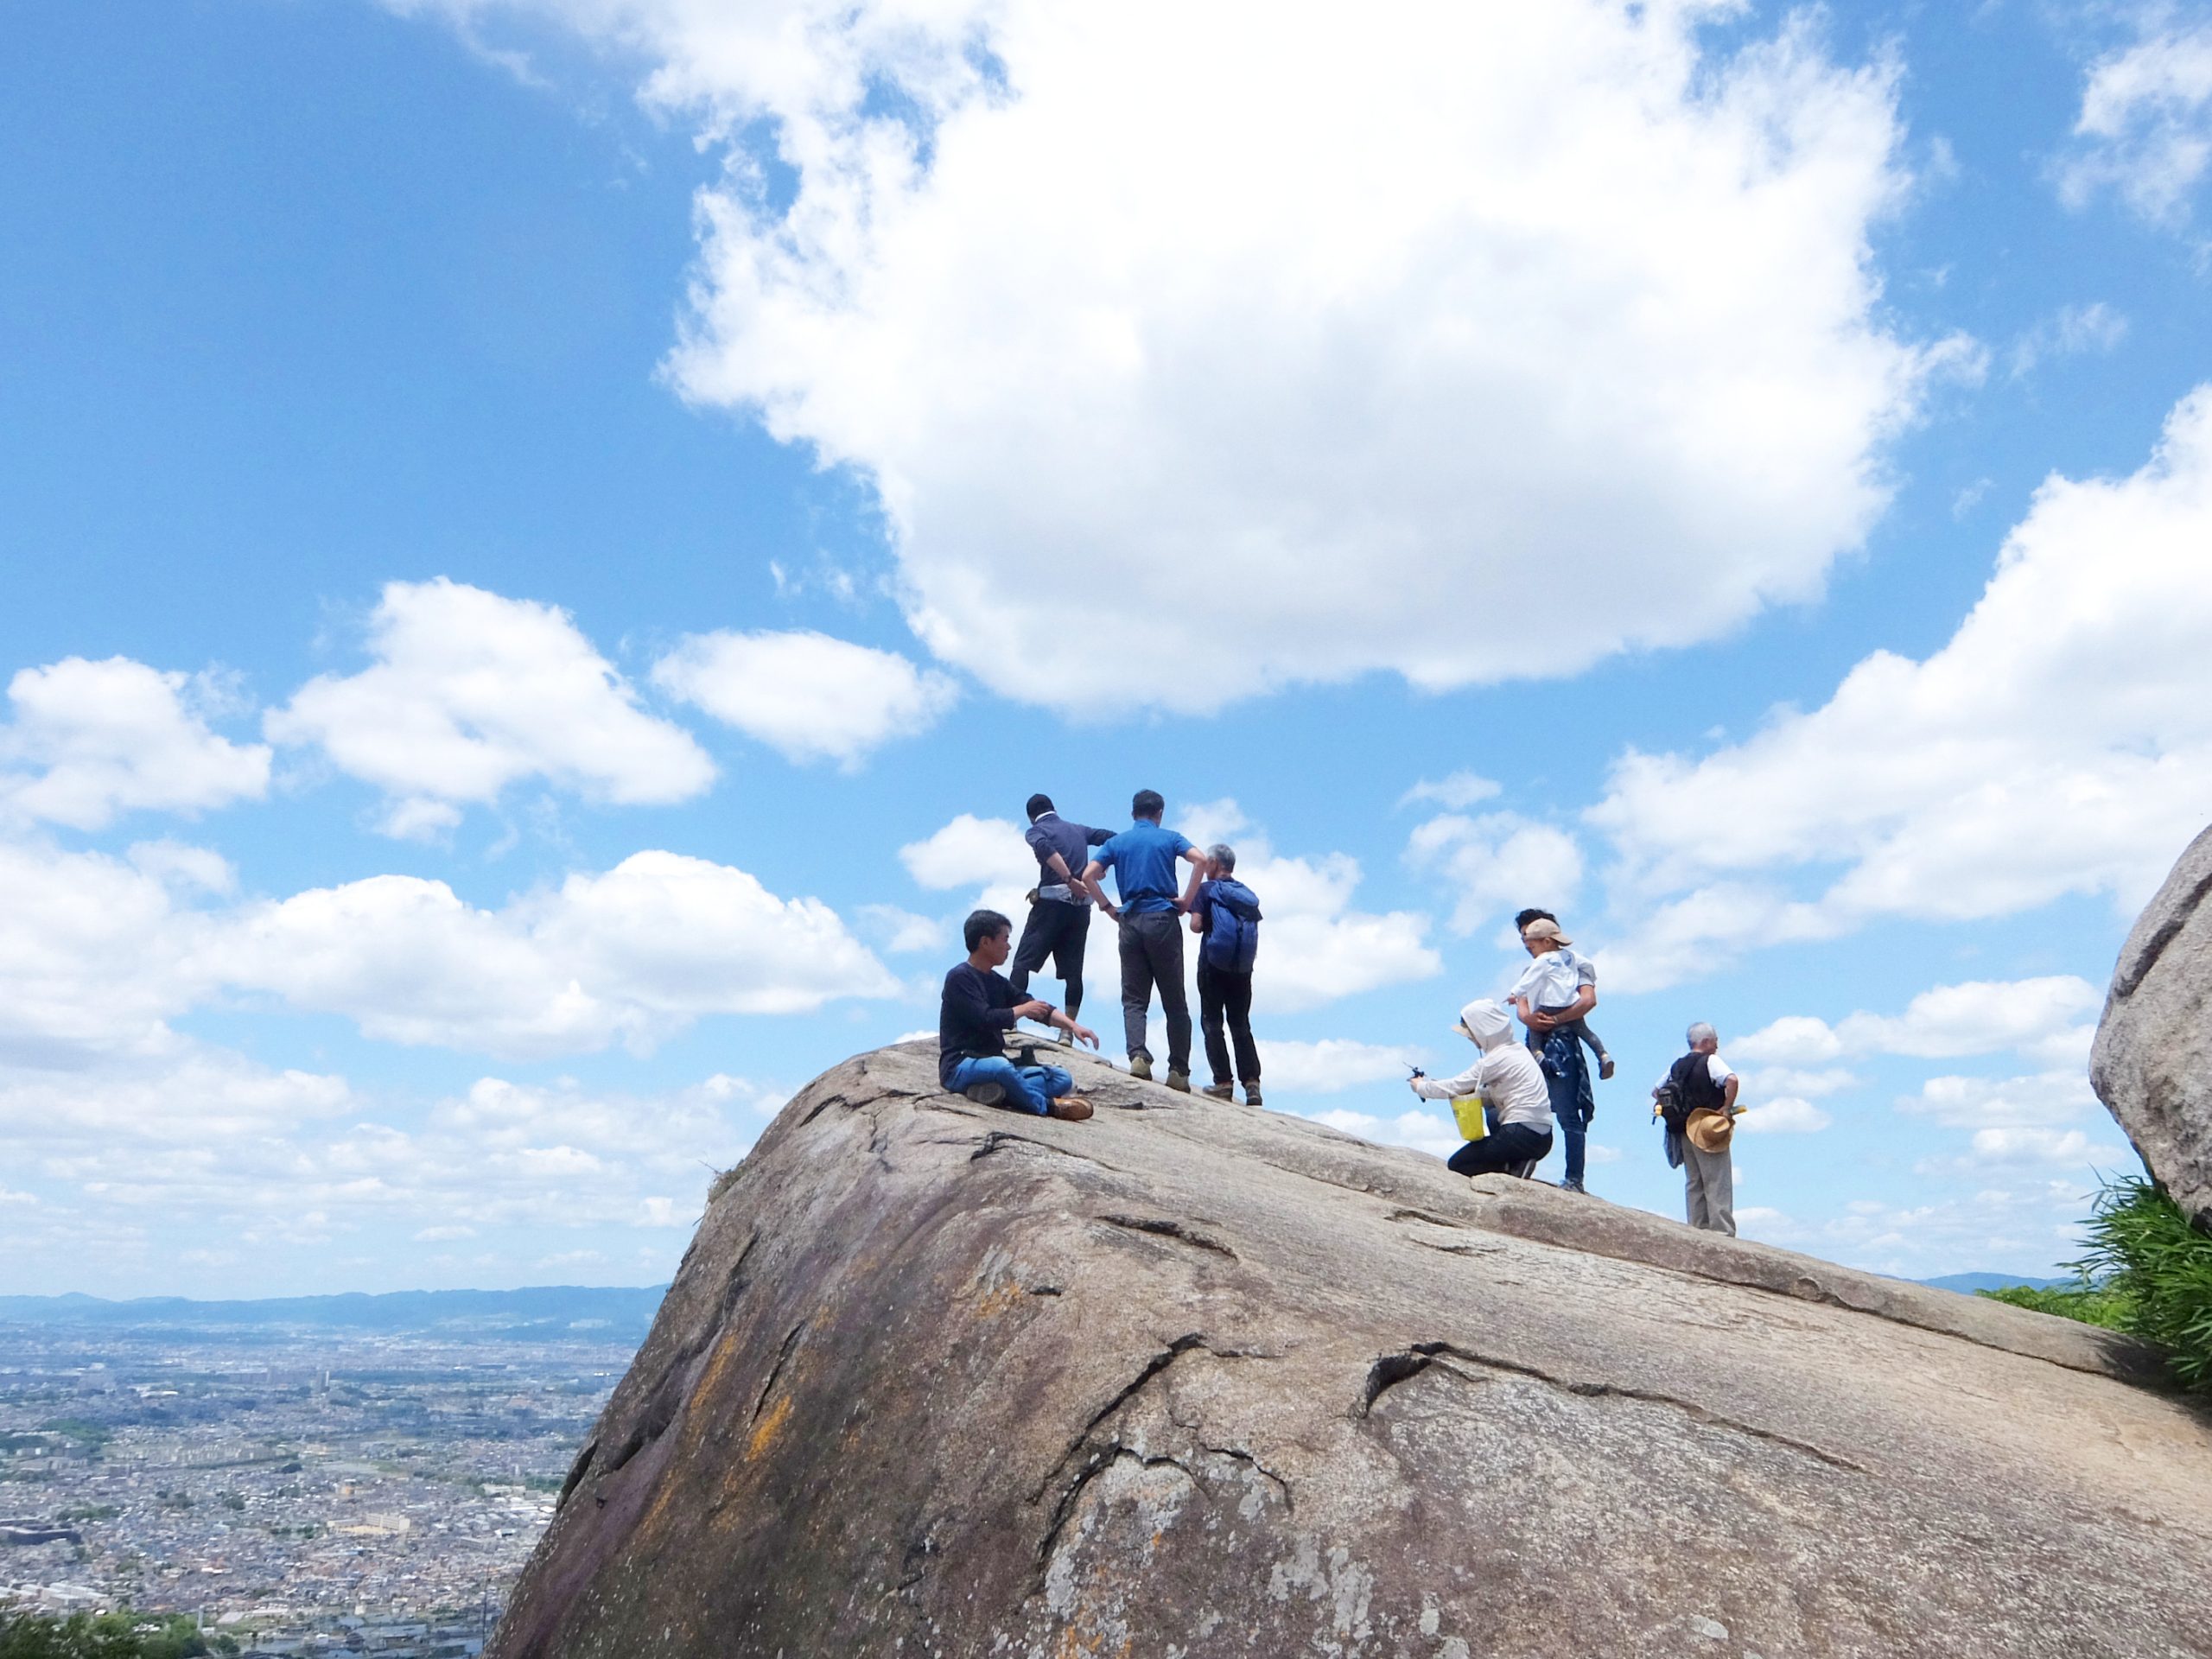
1511	1083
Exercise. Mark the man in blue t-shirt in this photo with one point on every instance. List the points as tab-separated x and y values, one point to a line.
1142	858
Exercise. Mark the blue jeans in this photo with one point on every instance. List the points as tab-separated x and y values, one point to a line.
1567	1077
1028	1088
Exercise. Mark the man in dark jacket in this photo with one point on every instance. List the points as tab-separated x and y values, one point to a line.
1225	914
1059	910
979	1007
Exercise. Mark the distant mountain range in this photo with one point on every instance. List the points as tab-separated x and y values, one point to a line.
546	1312
1970	1282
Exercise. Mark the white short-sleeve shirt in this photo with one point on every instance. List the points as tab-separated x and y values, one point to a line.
1716	1068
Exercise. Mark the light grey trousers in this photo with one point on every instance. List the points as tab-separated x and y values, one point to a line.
1709	1186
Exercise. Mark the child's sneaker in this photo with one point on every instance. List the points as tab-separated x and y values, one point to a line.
1605	1068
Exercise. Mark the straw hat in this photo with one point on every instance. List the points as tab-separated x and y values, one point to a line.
1710	1131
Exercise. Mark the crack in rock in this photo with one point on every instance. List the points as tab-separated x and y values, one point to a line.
665	1398
1162	1227
1390	1369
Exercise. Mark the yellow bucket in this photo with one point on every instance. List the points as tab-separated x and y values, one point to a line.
1467	1113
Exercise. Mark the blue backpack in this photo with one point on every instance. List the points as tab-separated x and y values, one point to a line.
1232	940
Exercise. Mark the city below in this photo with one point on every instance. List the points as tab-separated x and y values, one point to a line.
317	1483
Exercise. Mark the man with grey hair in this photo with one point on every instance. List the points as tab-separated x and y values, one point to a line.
1696	1101
1225	914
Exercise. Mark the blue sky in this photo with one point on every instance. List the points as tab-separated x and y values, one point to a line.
548	540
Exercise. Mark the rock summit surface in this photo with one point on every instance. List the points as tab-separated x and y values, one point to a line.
1194	1378
2152	1062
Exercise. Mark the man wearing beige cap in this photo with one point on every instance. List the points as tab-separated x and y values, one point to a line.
1552	994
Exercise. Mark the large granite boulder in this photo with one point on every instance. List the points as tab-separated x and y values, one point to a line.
2152	1063
1193	1378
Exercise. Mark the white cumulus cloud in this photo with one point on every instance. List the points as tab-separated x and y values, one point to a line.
1498	862
1330	1065
1978	1017
2145	131
88	741
2037	1101
1341	364
805	694
471	692
632	954
2060	743
1784	1114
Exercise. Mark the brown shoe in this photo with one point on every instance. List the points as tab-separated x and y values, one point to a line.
1073	1107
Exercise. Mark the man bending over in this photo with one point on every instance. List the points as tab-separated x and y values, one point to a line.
979	1008
1059	910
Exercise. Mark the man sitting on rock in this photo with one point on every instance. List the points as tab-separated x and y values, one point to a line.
1511	1086
979	1008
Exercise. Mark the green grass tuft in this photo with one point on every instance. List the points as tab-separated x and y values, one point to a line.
2143	1249
2148	1272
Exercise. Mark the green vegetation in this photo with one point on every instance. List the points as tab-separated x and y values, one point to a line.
104	1635
2147	1272
2089	1303
90	1435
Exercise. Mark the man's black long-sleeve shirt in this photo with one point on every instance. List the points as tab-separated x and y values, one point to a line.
975	1017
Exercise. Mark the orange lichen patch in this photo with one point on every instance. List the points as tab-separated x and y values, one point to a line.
999	1298
770	1425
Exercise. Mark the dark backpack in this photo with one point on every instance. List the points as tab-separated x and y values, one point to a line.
1232	940
1689	1087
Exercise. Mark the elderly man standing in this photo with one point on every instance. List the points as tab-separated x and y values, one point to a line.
1697	1101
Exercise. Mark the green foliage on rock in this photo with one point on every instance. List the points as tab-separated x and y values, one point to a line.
104	1635
2091	1304
2142	1248
2148	1272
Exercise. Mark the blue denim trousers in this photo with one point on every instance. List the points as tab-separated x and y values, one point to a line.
1028	1088
1566	1076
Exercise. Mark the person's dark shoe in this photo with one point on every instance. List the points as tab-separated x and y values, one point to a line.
1180	1082
1072	1109
1141	1067
1251	1093
1605	1068
985	1094
1220	1091
1573	1186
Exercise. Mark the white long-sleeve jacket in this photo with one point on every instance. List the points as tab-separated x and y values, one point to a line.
1508	1076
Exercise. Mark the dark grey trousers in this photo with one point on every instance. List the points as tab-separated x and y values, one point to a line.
1152	954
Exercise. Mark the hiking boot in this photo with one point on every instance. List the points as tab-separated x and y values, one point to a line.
1251	1093
1180	1082
985	1094
1141	1067
1573	1186
1220	1091
1073	1107
1605	1068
